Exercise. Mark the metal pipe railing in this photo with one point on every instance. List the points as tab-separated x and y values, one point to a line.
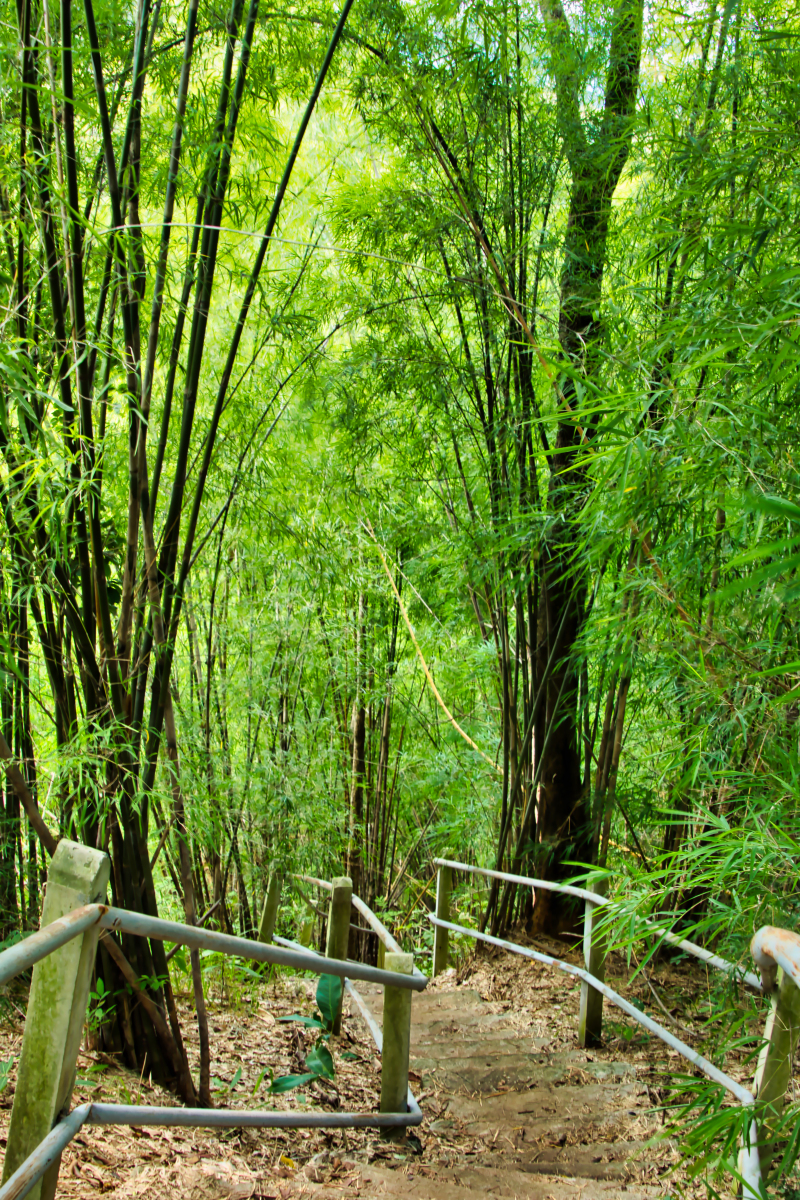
377	1036
231	1118
743	1095
323	883
353	969
376	925
52	937
62	1134
206	939
749	1164
545	884
775	949
772	948
59	932
700	952
45	1154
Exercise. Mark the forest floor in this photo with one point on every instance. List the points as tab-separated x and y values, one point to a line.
513	1107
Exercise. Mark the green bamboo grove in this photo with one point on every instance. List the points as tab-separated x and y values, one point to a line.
398	458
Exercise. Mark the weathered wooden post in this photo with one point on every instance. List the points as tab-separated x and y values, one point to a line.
59	994
339	929
269	913
590	1021
441	937
396	1037
774	1070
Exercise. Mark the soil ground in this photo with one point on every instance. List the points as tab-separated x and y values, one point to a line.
513	1108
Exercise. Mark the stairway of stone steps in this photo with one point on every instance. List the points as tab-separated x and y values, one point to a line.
525	1117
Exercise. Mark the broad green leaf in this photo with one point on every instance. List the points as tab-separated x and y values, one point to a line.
286	1083
310	1022
329	996
321	1060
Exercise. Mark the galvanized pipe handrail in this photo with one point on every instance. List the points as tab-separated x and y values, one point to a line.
45	1154
36	947
743	1094
369	1020
545	884
58	933
706	956
751	1166
205	939
231	1118
361	906
353	968
323	883
62	1134
772	948
376	925
377	1036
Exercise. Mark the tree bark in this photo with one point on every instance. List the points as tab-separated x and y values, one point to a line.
564	817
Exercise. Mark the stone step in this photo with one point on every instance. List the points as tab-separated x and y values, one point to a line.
469	1182
483	1067
549	1117
550	1111
460	1005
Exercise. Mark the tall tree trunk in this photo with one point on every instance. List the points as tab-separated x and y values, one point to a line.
564	817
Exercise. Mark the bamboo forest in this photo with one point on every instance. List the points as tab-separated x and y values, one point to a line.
397	469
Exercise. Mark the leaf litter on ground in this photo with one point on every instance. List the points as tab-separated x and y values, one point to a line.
253	1044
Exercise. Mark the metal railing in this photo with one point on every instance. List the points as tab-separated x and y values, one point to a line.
376	925
599	900
772	949
57	1009
65	949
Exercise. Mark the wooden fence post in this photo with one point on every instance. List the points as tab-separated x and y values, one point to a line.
269	913
590	1021
441	937
396	1037
339	929
774	1071
59	993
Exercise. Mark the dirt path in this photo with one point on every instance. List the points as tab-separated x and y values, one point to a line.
517	1114
513	1108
